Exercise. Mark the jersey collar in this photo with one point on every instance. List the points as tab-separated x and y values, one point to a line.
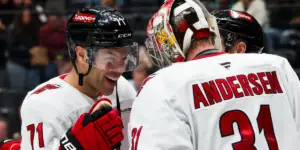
63	76
208	53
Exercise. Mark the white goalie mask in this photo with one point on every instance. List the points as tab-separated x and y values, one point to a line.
171	30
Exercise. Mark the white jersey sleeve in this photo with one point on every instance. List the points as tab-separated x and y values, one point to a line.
293	90
48	112
39	128
156	121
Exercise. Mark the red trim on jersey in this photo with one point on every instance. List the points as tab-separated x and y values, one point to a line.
63	76
179	59
209	55
46	87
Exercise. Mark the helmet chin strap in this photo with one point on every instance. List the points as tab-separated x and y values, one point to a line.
81	75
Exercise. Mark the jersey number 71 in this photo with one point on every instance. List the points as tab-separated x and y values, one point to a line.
39	129
264	121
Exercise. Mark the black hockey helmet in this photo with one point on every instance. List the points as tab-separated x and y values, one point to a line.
237	25
100	28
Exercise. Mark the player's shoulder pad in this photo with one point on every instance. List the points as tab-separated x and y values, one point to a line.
271	58
164	80
47	88
253	59
48	96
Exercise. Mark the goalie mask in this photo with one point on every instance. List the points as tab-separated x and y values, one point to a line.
173	28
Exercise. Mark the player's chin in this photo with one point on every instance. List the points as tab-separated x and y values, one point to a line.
109	86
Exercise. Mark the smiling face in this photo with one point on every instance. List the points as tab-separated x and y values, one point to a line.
26	16
107	66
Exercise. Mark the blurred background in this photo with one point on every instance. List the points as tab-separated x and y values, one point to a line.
33	50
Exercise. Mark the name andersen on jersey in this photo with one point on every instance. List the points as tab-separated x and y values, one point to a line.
222	89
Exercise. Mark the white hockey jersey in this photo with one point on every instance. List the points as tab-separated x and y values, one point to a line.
224	102
53	107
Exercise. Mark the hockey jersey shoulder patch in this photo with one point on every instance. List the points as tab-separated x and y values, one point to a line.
46	87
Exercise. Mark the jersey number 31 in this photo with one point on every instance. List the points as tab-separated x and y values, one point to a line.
264	121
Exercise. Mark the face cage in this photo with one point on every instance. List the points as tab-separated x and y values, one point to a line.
164	53
120	59
161	56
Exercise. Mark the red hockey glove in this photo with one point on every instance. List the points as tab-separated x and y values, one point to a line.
10	145
101	130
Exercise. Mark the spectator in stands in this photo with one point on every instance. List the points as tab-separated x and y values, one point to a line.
64	64
3	128
6	18
18	5
141	73
18	2
3	46
36	7
220	5
23	37
290	38
56	5
256	8
110	3
52	37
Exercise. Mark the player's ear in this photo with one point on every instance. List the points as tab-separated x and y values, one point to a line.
81	57
241	47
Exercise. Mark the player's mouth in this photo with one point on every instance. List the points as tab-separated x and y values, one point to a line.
112	80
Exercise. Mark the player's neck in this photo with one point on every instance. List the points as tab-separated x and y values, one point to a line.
73	78
198	49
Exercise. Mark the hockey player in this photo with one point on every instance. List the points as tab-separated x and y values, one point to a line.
207	99
65	112
240	32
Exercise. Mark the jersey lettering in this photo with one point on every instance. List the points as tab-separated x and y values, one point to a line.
66	144
39	129
135	137
218	90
